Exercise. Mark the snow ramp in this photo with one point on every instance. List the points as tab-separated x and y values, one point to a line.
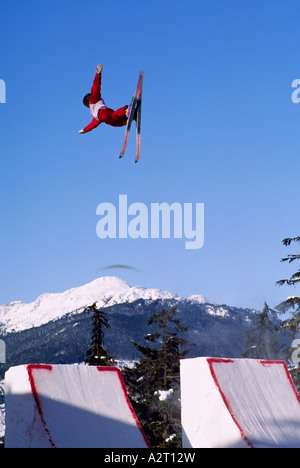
69	406
240	403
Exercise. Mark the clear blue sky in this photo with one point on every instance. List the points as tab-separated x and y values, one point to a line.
219	127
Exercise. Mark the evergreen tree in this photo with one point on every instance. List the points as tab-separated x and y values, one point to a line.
154	382
292	303
295	278
291	326
262	341
295	373
96	354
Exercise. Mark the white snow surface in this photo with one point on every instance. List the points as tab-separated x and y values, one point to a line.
105	291
240	403
164	395
69	406
2	411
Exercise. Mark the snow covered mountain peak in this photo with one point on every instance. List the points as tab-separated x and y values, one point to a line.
105	291
198	298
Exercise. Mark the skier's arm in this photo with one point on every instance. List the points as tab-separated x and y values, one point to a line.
94	124
96	89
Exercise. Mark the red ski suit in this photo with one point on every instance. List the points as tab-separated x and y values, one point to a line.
100	112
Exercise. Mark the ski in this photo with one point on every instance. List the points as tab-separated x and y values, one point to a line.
138	128
135	103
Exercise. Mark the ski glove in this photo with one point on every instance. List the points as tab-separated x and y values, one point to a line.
81	131
99	69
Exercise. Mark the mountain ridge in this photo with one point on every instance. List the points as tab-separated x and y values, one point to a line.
54	330
105	291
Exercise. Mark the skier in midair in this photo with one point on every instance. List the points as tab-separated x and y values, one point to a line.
98	109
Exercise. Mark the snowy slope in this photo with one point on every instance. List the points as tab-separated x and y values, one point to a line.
73	406
238	403
2	410
106	291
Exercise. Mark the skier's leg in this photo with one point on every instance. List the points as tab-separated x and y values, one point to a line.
116	118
